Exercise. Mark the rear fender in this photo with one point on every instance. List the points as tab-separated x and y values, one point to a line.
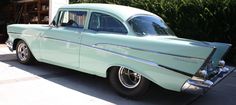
221	50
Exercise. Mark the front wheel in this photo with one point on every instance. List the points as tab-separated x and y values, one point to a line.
128	83
23	53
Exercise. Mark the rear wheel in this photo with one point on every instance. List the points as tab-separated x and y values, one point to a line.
23	53
128	83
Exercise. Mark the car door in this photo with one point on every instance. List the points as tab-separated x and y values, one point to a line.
103	31
60	44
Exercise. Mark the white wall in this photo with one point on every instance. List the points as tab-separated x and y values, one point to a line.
54	5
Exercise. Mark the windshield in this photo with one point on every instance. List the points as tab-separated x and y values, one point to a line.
150	25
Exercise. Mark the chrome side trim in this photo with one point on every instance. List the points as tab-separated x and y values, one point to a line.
178	71
119	54
158	52
60	40
143	61
14	32
127	57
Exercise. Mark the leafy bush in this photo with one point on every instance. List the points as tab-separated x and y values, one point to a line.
206	20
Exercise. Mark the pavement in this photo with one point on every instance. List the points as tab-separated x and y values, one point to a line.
44	84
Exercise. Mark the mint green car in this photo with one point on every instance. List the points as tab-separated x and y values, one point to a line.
131	47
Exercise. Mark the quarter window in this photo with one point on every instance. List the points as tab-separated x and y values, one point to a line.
106	23
74	19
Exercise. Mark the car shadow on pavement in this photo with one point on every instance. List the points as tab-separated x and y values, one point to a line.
96	86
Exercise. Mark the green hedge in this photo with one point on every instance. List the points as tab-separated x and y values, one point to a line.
207	20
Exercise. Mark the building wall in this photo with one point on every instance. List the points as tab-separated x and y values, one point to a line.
9	13
6	17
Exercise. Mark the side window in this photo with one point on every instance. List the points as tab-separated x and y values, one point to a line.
74	19
106	23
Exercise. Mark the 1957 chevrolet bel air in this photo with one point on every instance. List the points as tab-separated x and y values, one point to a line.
129	46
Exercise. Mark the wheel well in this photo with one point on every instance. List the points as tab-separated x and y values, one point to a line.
15	43
116	68
111	68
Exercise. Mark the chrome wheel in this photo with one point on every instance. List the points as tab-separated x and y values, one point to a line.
128	78
22	52
127	82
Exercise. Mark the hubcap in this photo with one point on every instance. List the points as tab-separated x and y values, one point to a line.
22	52
128	78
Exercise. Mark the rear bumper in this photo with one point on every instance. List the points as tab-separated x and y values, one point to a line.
199	86
9	45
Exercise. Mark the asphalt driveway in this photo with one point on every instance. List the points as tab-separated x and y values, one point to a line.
44	84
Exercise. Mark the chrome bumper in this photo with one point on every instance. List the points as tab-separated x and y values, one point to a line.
9	45
199	86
